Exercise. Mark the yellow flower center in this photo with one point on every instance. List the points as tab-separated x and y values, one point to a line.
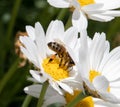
86	2
93	74
52	68
86	102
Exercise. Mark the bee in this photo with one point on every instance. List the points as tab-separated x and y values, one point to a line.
66	61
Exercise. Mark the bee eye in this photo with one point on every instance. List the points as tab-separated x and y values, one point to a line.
49	44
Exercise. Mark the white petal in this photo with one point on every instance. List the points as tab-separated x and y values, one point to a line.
100	17
70	37
107	49
38	76
115	91
54	99
93	8
31	49
110	59
32	79
111	4
59	3
33	90
56	86
101	83
75	84
109	97
114	55
112	72
55	31
48	36
92	50
84	66
102	103
66	87
73	55
50	92
114	13
115	83
75	4
79	20
40	40
29	56
29	45
98	51
31	32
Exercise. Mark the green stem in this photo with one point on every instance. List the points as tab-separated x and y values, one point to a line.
27	101
111	31
68	23
62	14
13	19
8	75
42	94
77	99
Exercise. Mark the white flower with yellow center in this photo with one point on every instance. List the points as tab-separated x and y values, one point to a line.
99	10
52	97
35	47
99	68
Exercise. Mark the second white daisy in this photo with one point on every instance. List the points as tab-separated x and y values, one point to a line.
99	69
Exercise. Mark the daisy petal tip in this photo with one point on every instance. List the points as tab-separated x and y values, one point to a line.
26	89
37	23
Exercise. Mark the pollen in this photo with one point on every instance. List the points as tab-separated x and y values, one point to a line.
93	74
86	102
86	2
108	89
52	68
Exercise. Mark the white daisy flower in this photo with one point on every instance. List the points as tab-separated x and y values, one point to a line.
99	68
99	10
35	47
52	97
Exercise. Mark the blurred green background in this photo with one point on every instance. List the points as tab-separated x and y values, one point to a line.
14	16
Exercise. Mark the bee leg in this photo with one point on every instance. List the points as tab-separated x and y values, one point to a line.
52	57
61	64
61	60
65	61
66	65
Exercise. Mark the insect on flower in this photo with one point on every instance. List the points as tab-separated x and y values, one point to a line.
65	60
35	47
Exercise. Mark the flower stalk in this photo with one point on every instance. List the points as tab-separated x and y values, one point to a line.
27	101
42	93
9	74
80	97
62	14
